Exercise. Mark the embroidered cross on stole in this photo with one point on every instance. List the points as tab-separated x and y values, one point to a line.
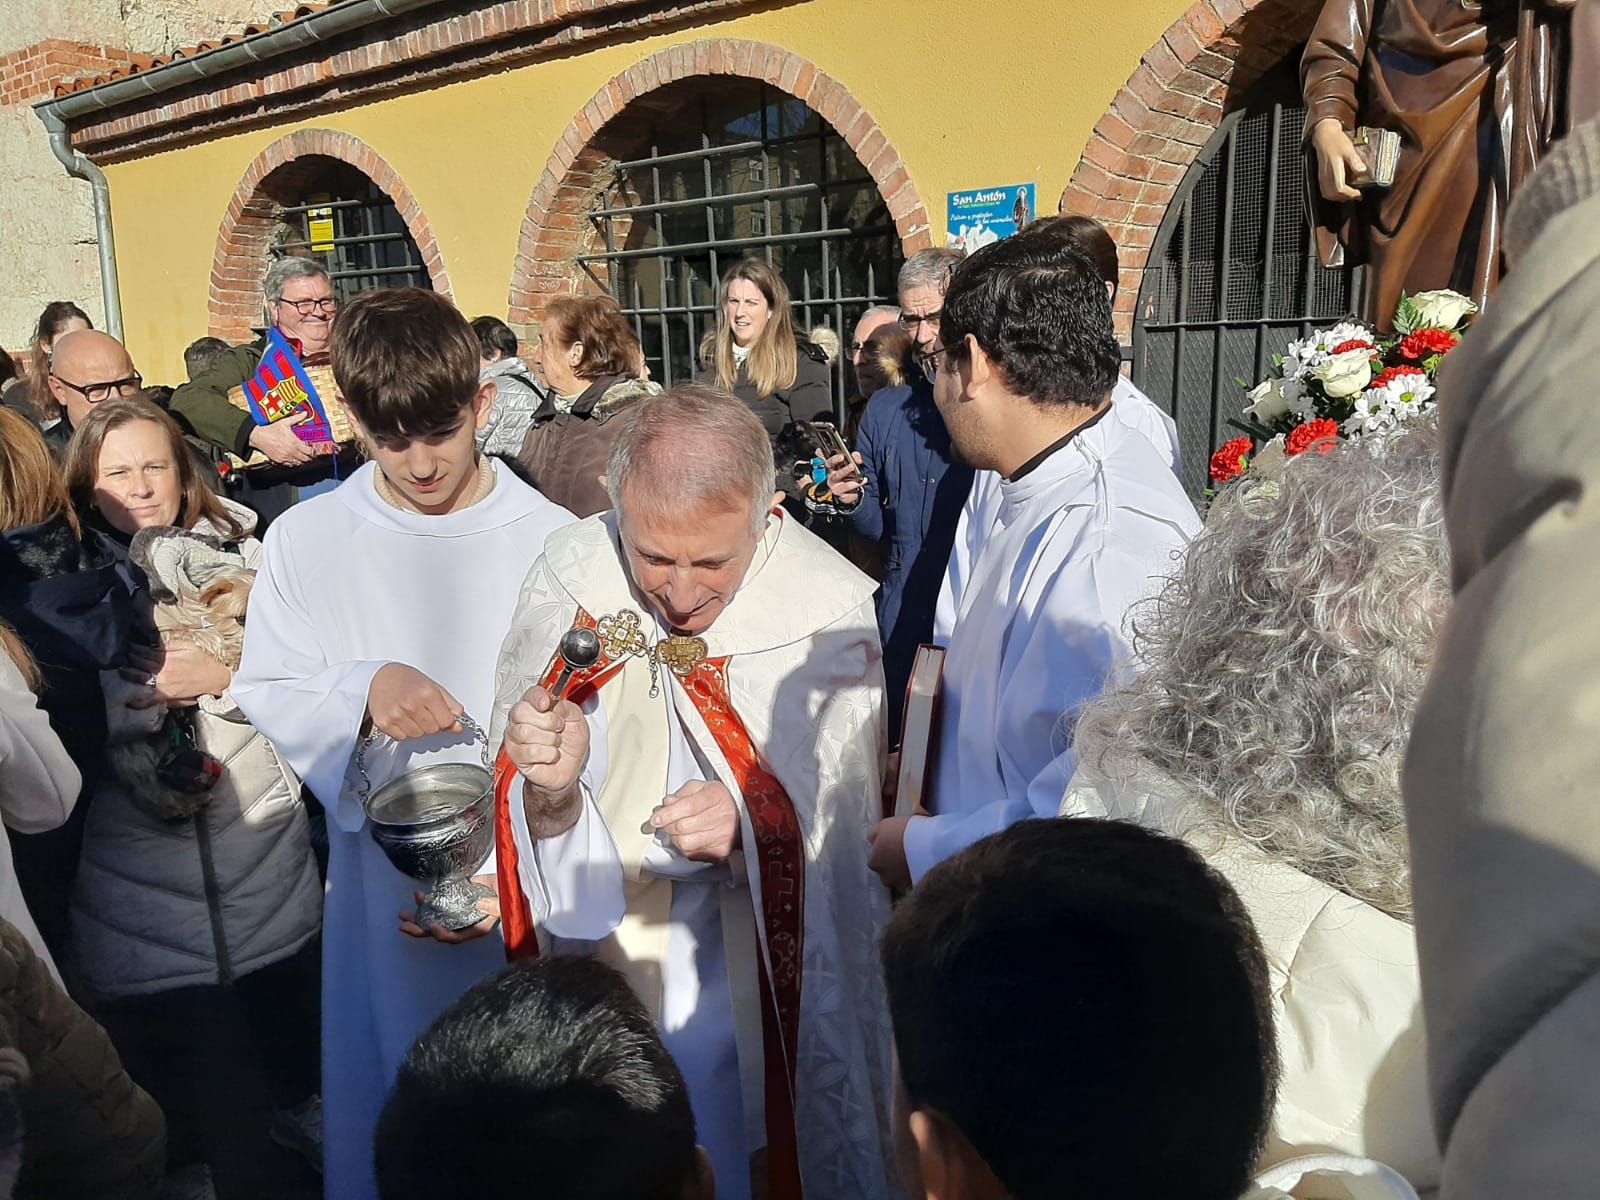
779	855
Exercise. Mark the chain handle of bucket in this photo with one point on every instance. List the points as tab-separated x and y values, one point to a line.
467	723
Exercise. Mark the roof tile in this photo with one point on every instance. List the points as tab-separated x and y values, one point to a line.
146	62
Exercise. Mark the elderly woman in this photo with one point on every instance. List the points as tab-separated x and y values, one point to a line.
592	362
1282	669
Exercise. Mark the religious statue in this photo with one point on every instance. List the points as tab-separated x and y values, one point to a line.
1476	93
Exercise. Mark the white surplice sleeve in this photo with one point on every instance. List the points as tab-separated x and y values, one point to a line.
1057	658
295	689
574	881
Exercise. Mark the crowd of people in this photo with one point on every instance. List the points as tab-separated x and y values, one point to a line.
1149	929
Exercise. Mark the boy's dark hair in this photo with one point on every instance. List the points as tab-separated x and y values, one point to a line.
1041	312
200	354
406	362
1088	237
1087	1002
494	337
548	1079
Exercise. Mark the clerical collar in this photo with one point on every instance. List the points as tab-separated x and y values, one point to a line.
1061	443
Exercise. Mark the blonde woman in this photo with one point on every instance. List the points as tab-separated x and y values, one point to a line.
757	354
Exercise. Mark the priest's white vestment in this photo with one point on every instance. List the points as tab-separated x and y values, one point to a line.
348	584
1036	609
793	666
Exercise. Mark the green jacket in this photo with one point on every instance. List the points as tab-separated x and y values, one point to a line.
203	402
88	1130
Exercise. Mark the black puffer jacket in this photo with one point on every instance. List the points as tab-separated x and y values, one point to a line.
811	392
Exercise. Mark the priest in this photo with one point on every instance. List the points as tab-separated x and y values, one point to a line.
1080	520
693	807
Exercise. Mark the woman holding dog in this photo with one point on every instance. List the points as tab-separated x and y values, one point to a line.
197	905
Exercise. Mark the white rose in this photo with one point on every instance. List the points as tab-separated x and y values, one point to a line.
1343	375
1267	401
1441	309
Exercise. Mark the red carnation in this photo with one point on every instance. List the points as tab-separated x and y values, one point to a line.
1399	372
1230	461
1425	343
1319	435
1355	344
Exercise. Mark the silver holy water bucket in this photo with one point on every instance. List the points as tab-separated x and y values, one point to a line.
436	825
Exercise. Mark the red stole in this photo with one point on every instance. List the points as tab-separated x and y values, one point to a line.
780	860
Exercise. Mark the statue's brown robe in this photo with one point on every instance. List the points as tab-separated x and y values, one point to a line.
1476	93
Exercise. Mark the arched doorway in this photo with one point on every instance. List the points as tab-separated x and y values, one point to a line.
1233	275
348	223
738	170
700	155
325	195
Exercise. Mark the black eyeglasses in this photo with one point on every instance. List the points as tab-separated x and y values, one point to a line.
306	307
94	393
910	320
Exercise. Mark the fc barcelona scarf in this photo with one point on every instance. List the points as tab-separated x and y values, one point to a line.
281	388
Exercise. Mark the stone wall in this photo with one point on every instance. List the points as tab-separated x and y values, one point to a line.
46	217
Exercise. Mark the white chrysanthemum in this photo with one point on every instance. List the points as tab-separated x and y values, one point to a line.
1403	397
1347	331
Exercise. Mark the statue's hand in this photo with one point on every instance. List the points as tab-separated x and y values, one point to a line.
1338	161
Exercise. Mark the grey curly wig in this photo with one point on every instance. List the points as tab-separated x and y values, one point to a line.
1284	664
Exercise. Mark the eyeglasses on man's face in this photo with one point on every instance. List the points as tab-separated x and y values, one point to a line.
930	362
910	320
94	393
305	308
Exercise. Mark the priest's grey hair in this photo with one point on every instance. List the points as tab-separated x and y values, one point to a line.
1284	662
689	448
290	267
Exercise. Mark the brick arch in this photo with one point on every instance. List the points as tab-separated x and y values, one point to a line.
554	230
274	179
1171	105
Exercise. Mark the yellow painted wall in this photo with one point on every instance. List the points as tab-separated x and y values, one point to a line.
970	94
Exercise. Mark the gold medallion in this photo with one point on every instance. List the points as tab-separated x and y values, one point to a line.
680	654
621	635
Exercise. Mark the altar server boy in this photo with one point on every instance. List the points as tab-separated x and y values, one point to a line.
379	612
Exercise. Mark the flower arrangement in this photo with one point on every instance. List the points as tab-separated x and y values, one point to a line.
1344	382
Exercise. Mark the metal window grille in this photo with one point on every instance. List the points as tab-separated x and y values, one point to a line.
349	225
1234	276
744	171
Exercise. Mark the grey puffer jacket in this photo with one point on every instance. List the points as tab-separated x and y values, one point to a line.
161	905
517	396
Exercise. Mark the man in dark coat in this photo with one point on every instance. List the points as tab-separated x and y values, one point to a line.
915	485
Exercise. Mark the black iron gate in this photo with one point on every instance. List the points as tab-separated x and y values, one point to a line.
744	170
352	227
1234	276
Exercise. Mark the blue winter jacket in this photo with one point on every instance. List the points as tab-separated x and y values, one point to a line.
915	492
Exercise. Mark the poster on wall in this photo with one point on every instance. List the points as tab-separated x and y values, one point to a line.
985	215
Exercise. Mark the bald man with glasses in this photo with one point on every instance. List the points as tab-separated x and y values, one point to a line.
300	302
86	368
